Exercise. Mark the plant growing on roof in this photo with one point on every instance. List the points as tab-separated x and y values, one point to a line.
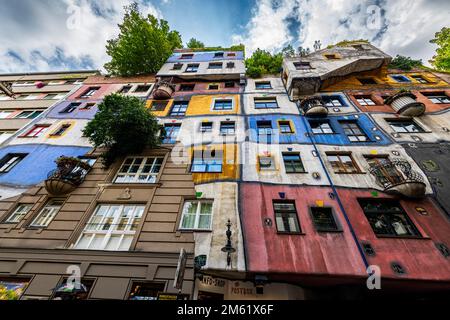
442	58
404	63
123	125
143	45
262	63
194	44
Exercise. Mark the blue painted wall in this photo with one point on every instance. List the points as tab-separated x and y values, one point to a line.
205	56
34	168
79	113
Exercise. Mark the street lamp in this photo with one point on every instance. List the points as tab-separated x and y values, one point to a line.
228	249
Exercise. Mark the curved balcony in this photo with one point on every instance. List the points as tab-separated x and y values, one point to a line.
69	174
405	104
397	176
163	90
314	106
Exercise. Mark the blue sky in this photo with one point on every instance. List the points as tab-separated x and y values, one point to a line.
42	35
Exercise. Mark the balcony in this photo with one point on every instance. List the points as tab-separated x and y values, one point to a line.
68	175
405	104
396	176
163	90
314	106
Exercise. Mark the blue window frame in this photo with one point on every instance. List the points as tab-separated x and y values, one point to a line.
172	131
400	78
266	103
179	109
207	161
223	104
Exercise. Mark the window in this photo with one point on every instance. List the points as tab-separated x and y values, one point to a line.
263	85
387	218
387	174
285	127
213	87
227	128
404	126
266	103
47	214
4	97
187	87
37	131
367	81
400	78
230	65
187	56
321	127
342	163
302	65
19	213
286	217
30	114
206	127
5	114
323	219
197	215
229	84
353	131
171	133
139	170
192	68
5	135
29	97
179	109
89	92
293	163
142	88
14	285
266	163
437	97
231	54
208	161
215	65
145	291
223	104
264	131
159	105
177	66
51	96
71	107
125	89
61	130
419	78
365	101
10	161
332	101
218	55
111	228
88	106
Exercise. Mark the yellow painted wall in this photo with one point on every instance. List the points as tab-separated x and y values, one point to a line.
230	163
160	113
203	105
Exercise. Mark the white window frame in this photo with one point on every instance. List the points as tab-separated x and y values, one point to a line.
4	114
47	214
5	135
30	115
19	213
106	226
213	104
37	131
366	101
197	214
134	177
11	163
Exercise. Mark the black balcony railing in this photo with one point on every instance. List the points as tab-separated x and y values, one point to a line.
69	174
313	106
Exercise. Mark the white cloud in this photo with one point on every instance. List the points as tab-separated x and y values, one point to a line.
47	29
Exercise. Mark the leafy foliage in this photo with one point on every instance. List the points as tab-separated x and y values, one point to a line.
288	51
263	62
6	294
194	44
346	43
442	58
143	45
404	63
123	125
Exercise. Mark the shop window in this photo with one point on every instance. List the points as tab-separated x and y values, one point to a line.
321	127
47	214
8	162
12	288
293	163
179	109
146	290
404	126
207	161
139	170
197	215
286	217
323	219
19	213
342	163
353	131
69	290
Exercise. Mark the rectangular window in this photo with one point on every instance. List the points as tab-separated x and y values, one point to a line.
187	87
419	78
10	161
387	173
142	88
321	127
263	85
187	56
286	217
302	65
404	126
146	291
324	220
365	101
89	92
61	130
223	104
342	163
197	215
139	170
266	163
36	131
353	131
229	84
400	78
179	109
47	214
111	228
266	103
159	105
215	65
206	127
213	87
293	163
125	89
5	135
332	101
5	113
227	128
230	65
88	106
388	218
437	97
171	133
285	127
71	107
264	131
18	214
207	161
218	55
29	114
192	68
51	96
177	66
367	81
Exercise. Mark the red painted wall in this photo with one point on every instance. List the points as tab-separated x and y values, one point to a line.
105	89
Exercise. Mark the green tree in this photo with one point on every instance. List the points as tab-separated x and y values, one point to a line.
194	44
288	51
123	125
143	45
441	60
404	63
263	62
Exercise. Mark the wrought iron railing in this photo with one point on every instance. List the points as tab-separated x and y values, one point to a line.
310	103
74	175
391	173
